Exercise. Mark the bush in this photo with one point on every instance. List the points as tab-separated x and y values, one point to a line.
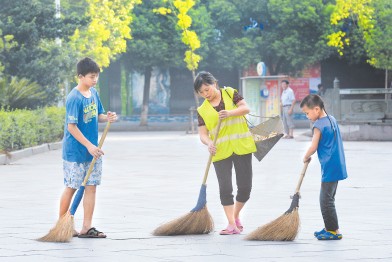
25	128
20	93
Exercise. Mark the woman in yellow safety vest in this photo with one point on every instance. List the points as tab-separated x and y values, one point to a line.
234	145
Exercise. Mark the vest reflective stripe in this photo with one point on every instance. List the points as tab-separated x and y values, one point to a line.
229	122
234	135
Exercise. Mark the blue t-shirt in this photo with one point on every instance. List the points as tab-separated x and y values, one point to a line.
84	113
330	150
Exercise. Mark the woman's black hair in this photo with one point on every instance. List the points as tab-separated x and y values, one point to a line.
203	78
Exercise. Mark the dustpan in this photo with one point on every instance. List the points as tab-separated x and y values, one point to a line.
266	135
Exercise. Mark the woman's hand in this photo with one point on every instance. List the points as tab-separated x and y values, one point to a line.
224	114
211	148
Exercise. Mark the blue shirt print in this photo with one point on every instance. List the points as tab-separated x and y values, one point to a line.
84	113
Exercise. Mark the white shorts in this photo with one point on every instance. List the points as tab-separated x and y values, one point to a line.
74	173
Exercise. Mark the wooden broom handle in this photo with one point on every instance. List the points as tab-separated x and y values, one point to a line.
90	169
210	158
301	177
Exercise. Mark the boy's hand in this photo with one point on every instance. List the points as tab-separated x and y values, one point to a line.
95	151
307	159
111	117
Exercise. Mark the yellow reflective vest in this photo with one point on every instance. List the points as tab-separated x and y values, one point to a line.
234	135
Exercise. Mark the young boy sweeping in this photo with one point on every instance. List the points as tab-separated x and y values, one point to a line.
328	143
83	112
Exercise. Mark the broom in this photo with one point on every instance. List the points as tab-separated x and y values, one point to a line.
64	229
198	220
285	227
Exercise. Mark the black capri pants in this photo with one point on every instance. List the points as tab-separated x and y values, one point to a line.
243	171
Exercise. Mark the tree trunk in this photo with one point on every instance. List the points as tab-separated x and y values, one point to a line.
386	87
146	97
386	78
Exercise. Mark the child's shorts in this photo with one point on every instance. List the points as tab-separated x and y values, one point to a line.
74	173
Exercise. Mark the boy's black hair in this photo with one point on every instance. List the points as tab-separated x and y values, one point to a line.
87	65
311	101
285	81
205	78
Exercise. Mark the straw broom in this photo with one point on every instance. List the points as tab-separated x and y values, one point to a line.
64	229
198	220
285	227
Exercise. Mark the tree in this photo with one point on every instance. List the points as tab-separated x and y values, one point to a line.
292	34
6	43
356	13
379	39
34	54
287	35
372	19
227	45
107	31
180	9
153	44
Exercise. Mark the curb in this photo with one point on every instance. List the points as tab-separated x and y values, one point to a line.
16	155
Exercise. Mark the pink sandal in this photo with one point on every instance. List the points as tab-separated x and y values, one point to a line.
230	230
239	225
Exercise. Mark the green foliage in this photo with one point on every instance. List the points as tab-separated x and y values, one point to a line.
223	36
154	41
18	93
105	35
363	26
6	43
379	38
287	35
357	13
36	56
293	35
25	128
180	9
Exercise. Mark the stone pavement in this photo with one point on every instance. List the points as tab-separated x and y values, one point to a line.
153	177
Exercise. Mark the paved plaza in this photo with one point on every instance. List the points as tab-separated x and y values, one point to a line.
153	177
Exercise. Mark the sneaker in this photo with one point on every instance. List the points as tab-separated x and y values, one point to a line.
322	231
329	235
230	230
239	225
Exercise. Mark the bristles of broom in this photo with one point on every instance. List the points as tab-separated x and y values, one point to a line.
284	228
193	223
63	230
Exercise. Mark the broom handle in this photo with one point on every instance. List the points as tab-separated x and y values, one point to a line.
90	169
210	158
301	177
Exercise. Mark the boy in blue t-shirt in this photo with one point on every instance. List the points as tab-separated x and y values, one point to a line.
328	143
80	144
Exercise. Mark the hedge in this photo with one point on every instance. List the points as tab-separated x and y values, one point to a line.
25	128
